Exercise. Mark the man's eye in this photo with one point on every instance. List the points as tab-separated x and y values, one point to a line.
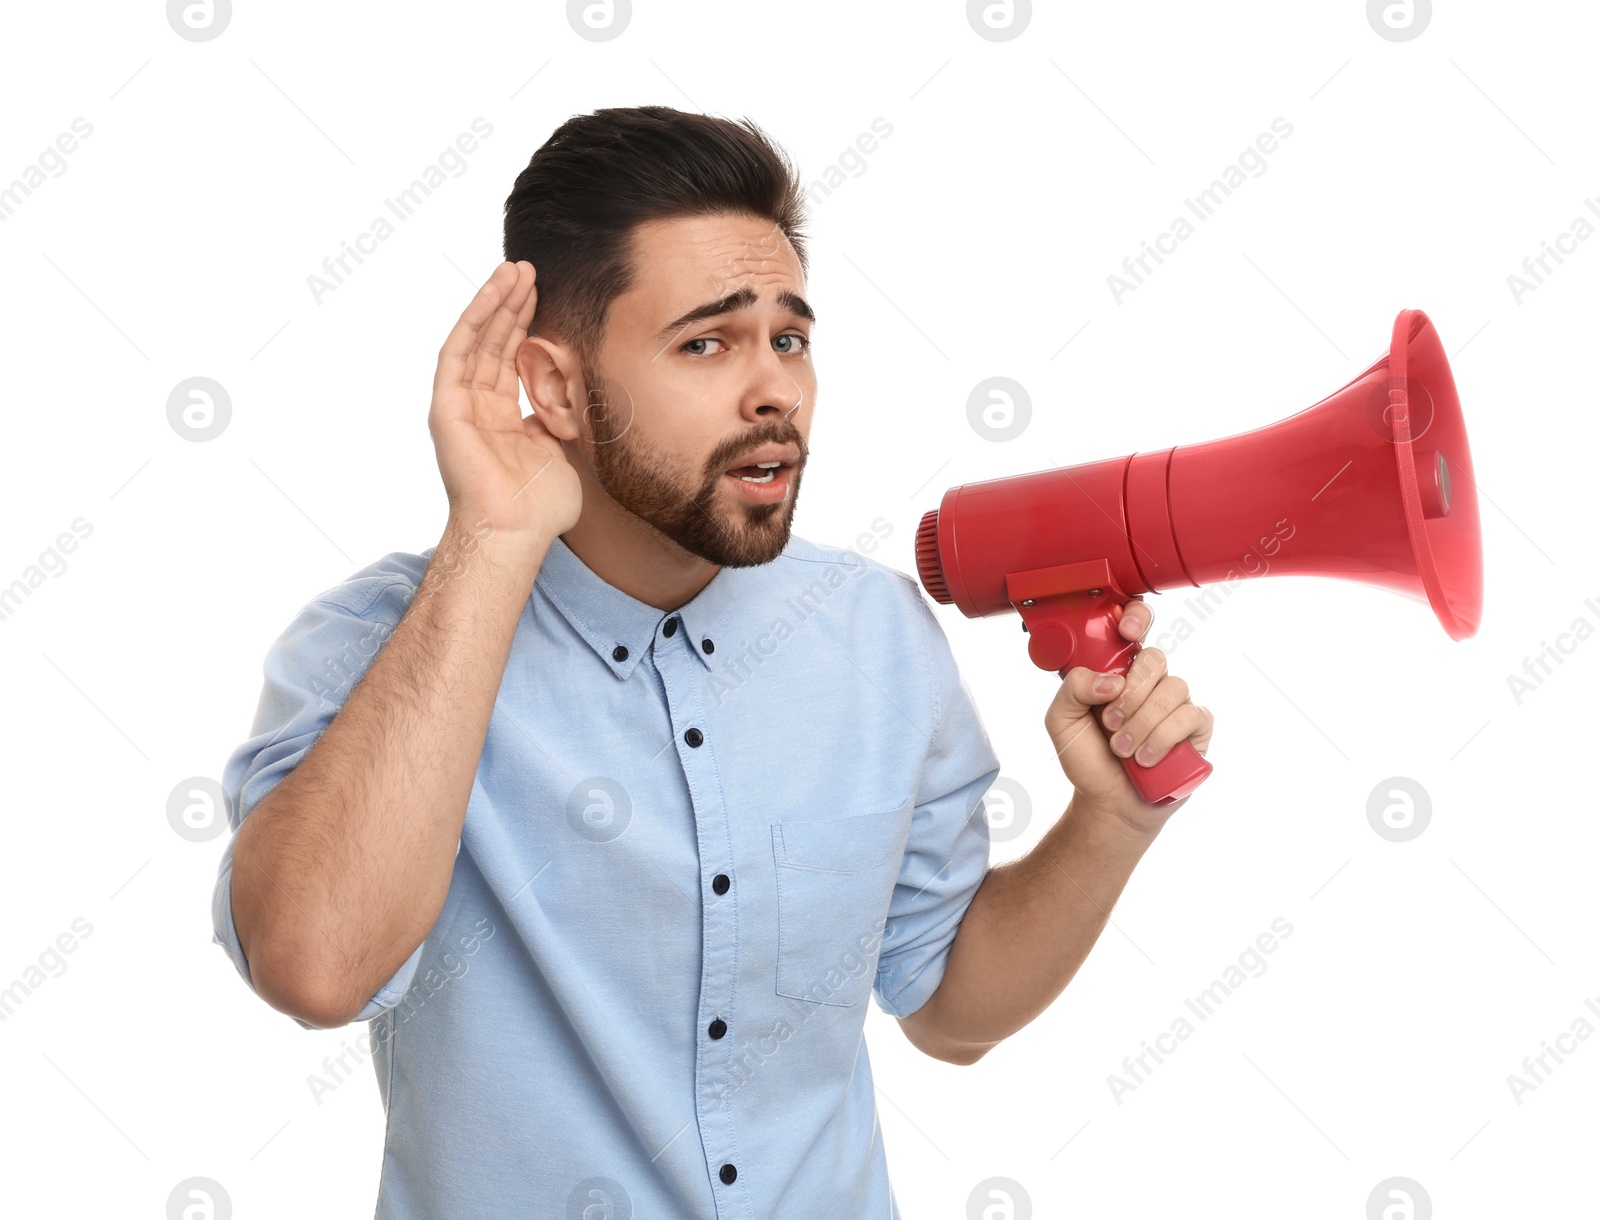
791	344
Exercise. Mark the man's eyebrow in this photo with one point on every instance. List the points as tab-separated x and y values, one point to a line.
744	298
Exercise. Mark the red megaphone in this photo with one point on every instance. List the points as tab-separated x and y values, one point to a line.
1374	483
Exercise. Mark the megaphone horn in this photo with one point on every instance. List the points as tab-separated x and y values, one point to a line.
1373	483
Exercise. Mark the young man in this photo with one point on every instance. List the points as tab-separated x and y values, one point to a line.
610	811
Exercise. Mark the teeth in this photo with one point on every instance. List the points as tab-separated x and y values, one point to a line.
768	465
767	478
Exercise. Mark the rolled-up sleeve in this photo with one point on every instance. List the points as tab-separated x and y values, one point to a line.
947	850
309	672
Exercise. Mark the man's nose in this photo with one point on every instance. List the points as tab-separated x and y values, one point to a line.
773	391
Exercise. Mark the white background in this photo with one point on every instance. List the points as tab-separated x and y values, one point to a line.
975	243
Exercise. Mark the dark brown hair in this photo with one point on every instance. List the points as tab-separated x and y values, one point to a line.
573	210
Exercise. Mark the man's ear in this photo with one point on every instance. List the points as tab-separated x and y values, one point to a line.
552	376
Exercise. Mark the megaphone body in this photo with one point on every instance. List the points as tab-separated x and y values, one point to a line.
1373	483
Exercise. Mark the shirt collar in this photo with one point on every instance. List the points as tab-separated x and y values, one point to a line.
620	628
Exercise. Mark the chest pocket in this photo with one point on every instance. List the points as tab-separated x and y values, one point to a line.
835	879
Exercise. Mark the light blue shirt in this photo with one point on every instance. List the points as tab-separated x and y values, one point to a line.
695	843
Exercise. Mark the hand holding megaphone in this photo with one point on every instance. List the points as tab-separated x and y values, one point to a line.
1375	482
1145	712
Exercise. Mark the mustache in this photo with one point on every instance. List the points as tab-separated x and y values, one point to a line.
783	434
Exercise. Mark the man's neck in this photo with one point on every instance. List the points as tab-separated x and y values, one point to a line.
630	555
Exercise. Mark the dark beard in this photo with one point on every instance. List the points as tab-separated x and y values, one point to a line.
633	475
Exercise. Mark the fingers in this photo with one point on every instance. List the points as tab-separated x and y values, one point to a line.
1158	700
490	367
510	380
1185	723
458	356
463	336
1135	620
1148	668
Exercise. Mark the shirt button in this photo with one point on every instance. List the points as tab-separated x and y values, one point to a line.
720	883
718	1028
693	736
707	647
671	627
619	653
727	1173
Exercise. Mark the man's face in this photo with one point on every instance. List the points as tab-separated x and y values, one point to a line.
705	370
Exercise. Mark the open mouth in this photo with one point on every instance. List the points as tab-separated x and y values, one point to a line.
761	472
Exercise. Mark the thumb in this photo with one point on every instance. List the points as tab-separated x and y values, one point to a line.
534	426
1068	717
535	429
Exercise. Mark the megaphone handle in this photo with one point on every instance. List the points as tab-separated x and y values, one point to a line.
1071	614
